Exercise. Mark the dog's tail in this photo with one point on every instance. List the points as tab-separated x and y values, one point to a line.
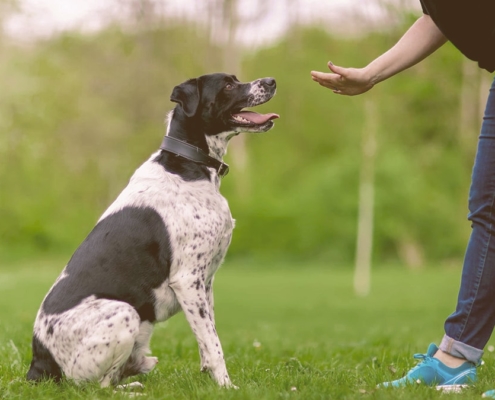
43	365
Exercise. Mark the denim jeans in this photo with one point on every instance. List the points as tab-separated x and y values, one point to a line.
469	328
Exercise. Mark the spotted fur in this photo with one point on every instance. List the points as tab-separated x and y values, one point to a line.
153	252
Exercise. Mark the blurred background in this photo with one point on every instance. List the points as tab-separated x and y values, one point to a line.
378	179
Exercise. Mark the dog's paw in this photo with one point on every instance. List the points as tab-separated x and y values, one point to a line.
132	389
148	364
227	384
130	386
231	386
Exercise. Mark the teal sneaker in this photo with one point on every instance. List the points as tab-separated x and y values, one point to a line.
489	395
433	372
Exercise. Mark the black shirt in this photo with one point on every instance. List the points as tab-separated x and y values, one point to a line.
469	25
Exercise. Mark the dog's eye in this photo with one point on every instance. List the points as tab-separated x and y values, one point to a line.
229	86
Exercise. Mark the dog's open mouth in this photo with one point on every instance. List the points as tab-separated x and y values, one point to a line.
250	118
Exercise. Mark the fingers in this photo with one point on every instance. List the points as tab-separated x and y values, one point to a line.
323	77
344	81
330	81
320	75
333	80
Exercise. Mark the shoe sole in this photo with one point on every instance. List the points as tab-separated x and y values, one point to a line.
451	388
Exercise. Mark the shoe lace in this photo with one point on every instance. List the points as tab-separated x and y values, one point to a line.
425	359
420	356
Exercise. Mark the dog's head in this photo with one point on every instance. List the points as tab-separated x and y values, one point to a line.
215	103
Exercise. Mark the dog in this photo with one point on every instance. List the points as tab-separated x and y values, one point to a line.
155	250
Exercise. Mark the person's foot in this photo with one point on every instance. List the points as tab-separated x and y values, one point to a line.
432	372
489	395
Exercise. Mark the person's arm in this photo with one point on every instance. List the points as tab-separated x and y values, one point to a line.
422	39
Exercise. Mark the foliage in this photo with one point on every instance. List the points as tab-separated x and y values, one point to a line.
78	113
311	196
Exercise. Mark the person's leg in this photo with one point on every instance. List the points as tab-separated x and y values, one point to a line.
468	329
486	322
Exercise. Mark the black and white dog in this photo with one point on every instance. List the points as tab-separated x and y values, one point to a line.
155	249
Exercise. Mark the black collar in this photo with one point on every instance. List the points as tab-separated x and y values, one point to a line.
193	153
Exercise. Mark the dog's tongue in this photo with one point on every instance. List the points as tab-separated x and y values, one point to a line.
256	118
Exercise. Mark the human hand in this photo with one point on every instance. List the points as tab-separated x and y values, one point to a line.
346	81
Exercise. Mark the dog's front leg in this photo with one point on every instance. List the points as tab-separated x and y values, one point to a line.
192	297
209	297
209	300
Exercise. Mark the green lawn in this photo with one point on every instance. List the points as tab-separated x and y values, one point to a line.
288	331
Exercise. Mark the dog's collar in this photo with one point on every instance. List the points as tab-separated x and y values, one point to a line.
193	153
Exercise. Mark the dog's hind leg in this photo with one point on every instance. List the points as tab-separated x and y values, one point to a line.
138	362
110	346
92	341
43	366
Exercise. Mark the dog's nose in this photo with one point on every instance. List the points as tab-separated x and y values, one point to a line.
269	82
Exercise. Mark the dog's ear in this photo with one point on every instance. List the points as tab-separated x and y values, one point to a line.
187	95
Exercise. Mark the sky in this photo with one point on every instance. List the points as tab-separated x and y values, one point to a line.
45	17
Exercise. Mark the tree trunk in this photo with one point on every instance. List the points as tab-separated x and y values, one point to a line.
366	201
228	21
469	107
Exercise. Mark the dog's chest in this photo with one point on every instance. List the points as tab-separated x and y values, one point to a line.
197	217
198	223
200	228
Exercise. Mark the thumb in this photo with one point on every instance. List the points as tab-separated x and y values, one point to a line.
335	69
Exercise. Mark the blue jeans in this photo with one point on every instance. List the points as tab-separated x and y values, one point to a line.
469	328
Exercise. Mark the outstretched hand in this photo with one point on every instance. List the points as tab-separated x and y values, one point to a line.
346	81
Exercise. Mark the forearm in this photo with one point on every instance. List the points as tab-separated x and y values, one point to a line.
422	39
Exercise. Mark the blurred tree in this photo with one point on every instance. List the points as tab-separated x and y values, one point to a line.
79	112
226	21
224	27
469	120
7	8
364	241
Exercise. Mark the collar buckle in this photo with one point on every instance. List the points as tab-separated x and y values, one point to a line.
223	170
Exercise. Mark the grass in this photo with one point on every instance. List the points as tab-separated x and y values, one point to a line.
288	332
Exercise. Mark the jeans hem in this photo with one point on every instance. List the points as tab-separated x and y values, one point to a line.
460	350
